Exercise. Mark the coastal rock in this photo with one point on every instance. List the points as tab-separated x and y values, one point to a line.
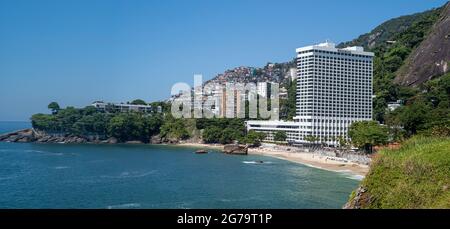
13	138
133	142
3	137
26	139
112	140
155	139
201	151
33	135
44	139
18	136
360	199
171	140
235	149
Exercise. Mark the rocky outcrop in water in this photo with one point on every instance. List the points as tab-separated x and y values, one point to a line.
32	135
26	135
235	149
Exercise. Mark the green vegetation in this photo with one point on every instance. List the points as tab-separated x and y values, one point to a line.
175	129
427	109
224	131
414	176
254	138
133	126
90	122
367	134
288	106
138	126
424	107
390	57
54	107
280	136
138	102
312	139
389	29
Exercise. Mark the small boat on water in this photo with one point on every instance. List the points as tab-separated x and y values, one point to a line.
201	151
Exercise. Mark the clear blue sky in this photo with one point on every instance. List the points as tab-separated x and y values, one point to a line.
75	52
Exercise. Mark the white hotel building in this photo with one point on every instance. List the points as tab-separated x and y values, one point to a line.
334	89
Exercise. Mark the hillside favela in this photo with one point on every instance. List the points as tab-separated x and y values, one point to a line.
127	105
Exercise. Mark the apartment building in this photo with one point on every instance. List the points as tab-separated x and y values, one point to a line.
334	89
121	107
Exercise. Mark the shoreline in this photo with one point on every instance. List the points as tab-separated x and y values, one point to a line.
315	161
304	158
309	159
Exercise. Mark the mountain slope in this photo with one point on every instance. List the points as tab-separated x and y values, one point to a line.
432	57
387	31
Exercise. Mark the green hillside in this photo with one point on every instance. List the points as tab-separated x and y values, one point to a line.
389	58
388	30
415	176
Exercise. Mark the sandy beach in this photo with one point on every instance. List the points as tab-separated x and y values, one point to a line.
305	158
314	160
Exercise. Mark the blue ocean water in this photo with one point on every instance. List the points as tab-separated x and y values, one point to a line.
6	127
146	176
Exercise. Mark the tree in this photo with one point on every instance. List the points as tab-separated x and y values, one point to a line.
280	136
174	128
366	134
212	134
312	140
45	122
128	127
138	102
254	138
153	124
414	117
343	143
54	107
229	135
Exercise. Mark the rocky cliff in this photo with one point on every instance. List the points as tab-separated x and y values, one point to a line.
32	135
432	57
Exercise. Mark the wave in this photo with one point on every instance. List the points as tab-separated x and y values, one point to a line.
350	175
124	206
61	167
130	175
356	177
44	152
257	162
34	151
8	177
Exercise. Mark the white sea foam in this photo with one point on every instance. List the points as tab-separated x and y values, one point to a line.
356	177
44	152
124	206
61	167
350	175
34	151
133	174
8	177
257	162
